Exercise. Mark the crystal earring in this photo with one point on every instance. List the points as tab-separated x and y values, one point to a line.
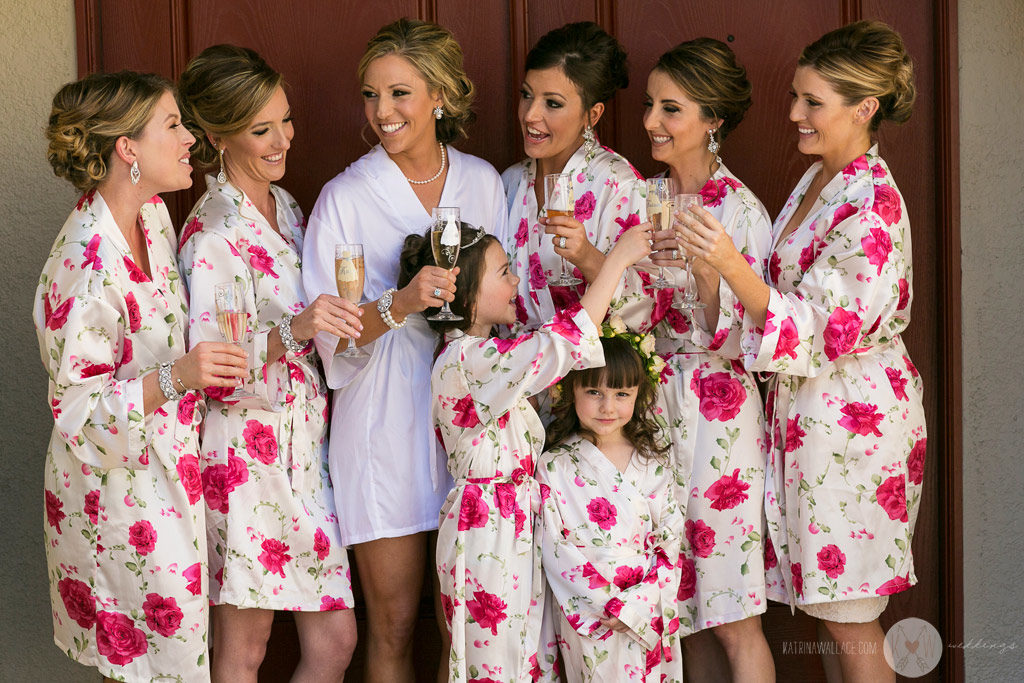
222	177
134	173
438	112
589	141
712	142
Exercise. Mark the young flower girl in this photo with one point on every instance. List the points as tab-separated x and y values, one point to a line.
611	528
488	560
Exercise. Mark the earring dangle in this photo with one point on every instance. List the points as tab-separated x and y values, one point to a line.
589	140
222	177
134	174
438	112
713	145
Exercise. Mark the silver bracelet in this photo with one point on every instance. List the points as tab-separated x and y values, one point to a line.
163	376
285	330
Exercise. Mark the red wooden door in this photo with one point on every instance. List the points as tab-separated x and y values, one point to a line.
316	45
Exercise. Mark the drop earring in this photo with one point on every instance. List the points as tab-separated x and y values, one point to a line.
222	177
438	112
589	140
713	145
134	174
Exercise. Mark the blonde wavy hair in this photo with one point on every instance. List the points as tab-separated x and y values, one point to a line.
435	53
221	91
88	116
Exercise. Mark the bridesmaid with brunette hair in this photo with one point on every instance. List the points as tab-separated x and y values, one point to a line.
571	73
845	416
696	95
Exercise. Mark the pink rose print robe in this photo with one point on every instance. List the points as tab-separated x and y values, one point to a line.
609	195
714	418
124	516
844	407
488	558
611	547
271	525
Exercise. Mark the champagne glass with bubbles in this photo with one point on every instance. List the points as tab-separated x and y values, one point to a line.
349	274
445	242
660	203
233	322
558	201
683	202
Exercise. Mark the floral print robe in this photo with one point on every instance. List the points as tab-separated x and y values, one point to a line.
845	405
488	558
611	545
271	525
712	410
124	522
609	194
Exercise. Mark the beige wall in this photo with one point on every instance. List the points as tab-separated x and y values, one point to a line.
38	55
992	236
37	52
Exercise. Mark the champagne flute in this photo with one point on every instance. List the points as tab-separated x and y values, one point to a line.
660	195
233	322
349	274
558	201
445	242
683	202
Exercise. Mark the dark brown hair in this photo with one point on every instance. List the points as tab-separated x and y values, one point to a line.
706	69
593	60
623	368
866	59
417	253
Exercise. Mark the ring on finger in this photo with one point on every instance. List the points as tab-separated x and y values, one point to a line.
437	292
675	254
561	242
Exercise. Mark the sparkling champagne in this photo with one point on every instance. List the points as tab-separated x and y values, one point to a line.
446	252
349	273
232	325
560	212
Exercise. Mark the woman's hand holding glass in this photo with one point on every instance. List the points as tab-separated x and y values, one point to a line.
703	237
330	314
429	288
211	364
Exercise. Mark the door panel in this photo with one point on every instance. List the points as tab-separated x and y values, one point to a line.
318	47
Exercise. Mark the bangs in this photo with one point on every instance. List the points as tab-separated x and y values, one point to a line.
623	367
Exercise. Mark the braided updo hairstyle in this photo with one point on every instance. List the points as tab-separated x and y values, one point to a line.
88	116
593	60
220	92
866	59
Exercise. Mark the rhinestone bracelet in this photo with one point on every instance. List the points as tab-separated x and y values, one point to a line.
163	377
285	330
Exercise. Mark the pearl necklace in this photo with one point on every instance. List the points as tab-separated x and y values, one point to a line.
436	175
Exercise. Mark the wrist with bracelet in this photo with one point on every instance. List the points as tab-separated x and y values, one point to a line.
384	308
166	382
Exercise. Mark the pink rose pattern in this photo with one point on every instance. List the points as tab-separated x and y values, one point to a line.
93	520
714	415
853	406
608	198
274	535
595	560
492	439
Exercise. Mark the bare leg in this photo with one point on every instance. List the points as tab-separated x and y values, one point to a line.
391	572
829	658
327	640
860	651
747	649
704	659
239	642
442	624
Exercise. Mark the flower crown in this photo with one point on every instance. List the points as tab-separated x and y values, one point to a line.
643	344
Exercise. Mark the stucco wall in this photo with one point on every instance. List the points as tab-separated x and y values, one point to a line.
991	36
38	56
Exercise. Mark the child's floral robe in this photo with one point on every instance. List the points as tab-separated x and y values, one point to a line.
488	558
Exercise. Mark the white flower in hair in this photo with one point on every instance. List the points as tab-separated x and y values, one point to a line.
618	327
657	365
647	344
